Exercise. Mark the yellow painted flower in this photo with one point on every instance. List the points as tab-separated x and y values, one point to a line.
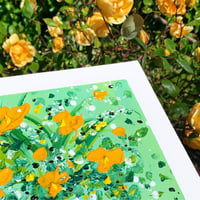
170	8
68	123
84	37
2	193
21	51
52	181
115	11
107	181
190	3
119	131
38	108
30	177
97	23
179	29
100	125
58	44
100	95
106	158
42	141
198	54
40	154
6	175
55	31
12	118
33	4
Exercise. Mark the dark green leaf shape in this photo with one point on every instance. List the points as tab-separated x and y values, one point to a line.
128	121
141	132
149	175
127	94
132	26
51	95
50	22
107	143
184	65
170	88
27	9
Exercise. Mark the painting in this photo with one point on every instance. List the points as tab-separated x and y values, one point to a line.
86	142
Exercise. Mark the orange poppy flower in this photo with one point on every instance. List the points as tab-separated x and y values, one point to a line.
70	164
119	131
2	193
53	180
40	154
68	123
6	175
12	118
100	95
106	158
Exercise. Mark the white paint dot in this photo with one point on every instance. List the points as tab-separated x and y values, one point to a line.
73	103
92	108
155	194
71	152
113	126
135	179
95	87
152	183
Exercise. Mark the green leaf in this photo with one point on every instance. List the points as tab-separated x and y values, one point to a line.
148	2
1	68
85	11
132	26
107	59
146	10
50	22
170	45
166	64
159	52
3	29
34	66
97	43
184	65
170	88
27	9
38	28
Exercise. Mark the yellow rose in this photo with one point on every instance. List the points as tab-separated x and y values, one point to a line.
179	29
33	4
198	54
21	51
97	23
55	31
84	37
115	11
58	44
169	8
190	3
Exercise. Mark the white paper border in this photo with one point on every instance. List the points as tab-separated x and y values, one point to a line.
170	144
